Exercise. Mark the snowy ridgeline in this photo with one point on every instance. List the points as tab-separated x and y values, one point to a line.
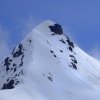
47	65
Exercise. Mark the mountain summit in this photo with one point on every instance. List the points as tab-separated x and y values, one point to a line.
47	65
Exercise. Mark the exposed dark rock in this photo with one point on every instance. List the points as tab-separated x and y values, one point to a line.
11	69
62	41
9	85
73	59
51	51
7	79
55	55
70	48
16	75
22	57
61	51
71	44
21	64
50	77
73	65
66	36
16	82
15	69
52	34
71	56
20	73
19	51
10	60
7	63
30	40
14	64
56	29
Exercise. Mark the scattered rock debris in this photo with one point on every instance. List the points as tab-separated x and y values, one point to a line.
9	85
55	55
51	51
49	76
7	63
19	51
30	40
73	62
61	50
62	41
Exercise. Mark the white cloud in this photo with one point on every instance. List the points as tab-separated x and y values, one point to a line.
95	52
4	47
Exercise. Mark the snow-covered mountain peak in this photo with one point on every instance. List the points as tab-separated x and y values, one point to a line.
47	65
48	25
44	25
46	37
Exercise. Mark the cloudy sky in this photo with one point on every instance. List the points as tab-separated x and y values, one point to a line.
81	18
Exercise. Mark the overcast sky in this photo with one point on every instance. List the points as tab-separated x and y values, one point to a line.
81	18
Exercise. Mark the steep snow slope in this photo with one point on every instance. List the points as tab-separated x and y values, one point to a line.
47	65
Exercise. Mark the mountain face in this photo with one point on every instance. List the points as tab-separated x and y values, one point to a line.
47	65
